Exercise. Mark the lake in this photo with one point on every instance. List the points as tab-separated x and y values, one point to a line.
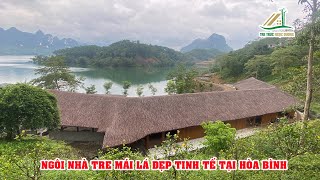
15	69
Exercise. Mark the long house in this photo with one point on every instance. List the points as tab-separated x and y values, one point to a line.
143	121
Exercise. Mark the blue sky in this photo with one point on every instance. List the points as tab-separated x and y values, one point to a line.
172	23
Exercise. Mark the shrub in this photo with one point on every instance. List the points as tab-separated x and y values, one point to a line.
218	136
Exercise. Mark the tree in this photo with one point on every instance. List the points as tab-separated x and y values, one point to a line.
218	136
312	6
56	75
139	90
297	86
39	59
107	86
298	25
171	87
283	58
91	89
259	66
152	89
181	81
126	85
170	149
26	107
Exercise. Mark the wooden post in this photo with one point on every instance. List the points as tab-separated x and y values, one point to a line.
77	129
163	136
146	142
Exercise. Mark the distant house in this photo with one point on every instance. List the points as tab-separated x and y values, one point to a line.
117	120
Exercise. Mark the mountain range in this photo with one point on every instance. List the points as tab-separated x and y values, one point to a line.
215	41
16	42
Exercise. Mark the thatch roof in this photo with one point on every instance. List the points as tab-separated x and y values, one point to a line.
251	83
128	119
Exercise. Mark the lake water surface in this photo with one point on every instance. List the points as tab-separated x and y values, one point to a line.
15	69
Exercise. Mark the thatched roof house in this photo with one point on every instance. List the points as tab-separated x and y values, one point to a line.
252	83
125	120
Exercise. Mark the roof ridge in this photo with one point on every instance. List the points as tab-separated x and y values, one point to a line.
144	97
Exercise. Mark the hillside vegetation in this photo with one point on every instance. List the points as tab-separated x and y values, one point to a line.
131	54
203	54
19	159
123	53
282	62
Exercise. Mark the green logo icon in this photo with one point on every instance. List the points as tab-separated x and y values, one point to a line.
276	21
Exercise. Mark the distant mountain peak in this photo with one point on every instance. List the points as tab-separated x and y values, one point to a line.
215	41
13	29
39	33
215	36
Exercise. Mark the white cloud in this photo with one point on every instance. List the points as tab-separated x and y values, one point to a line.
164	22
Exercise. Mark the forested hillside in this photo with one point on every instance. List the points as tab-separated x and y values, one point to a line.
203	54
255	54
280	61
123	53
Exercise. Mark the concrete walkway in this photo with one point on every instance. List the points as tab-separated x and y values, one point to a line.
156	153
